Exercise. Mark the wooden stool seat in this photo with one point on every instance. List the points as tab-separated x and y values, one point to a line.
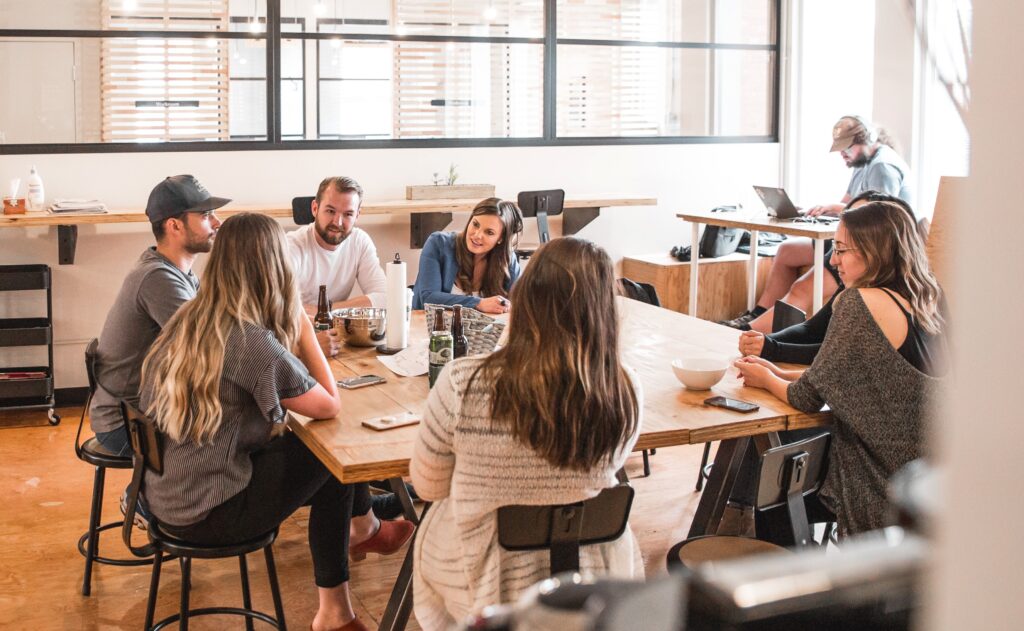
699	550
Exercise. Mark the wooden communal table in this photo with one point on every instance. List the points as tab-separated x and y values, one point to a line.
818	232
426	216
652	338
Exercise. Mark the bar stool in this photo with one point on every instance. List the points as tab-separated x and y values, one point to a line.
147	454
92	452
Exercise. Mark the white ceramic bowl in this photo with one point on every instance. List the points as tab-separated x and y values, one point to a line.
699	373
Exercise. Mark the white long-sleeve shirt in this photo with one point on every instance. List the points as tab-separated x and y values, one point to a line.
354	261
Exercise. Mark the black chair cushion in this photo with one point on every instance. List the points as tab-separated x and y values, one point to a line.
97	455
179	547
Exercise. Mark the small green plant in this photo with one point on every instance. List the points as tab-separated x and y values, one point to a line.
452	174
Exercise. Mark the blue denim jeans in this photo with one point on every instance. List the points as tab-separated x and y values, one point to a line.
115	441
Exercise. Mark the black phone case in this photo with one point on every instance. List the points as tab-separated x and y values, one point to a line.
719	402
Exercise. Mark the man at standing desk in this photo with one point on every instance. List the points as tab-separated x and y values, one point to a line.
181	213
876	166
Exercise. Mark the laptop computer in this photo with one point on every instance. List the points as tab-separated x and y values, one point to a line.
777	202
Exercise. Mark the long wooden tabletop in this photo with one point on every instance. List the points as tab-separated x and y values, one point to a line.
652	338
396	207
762	222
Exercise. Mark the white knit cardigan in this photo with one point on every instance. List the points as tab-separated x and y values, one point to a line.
469	467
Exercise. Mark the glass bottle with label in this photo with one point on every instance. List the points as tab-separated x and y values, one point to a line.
322	320
441	346
460	343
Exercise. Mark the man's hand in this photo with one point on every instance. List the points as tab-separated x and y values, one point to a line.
751	343
330	342
826	209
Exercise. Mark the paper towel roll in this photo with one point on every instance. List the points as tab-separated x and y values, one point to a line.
397	292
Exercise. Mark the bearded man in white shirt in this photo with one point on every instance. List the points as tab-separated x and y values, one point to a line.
332	251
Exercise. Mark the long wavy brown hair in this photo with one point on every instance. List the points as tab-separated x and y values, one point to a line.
894	258
248	279
559	383
497	260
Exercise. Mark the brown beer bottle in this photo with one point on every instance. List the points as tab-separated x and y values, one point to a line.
460	342
322	320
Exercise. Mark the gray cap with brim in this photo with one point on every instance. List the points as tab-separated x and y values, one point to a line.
180	194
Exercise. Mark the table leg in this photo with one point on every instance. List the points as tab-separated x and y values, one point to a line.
719	485
399	606
694	256
752	272
819	274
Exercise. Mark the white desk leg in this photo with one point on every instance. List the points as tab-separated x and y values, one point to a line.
819	273
694	255
752	272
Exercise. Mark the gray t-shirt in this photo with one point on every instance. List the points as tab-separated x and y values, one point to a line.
886	173
258	373
152	293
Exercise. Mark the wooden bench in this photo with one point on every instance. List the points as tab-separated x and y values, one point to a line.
723	282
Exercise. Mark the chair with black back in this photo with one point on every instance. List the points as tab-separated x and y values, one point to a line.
784	316
562	529
147	455
786	475
302	210
92	452
540	204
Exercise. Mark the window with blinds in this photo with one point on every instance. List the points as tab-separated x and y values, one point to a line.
161	90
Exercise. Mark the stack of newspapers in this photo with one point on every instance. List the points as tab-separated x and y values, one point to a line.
77	206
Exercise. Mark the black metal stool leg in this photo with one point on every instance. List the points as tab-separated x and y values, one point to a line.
243	570
703	465
154	587
275	590
95	513
647	463
186	586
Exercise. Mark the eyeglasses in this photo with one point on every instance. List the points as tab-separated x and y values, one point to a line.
841	251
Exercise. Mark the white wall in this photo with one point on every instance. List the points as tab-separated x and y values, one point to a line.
978	570
681	177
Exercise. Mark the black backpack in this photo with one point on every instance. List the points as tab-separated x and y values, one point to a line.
718	241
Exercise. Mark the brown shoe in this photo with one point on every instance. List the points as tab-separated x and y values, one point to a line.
388	539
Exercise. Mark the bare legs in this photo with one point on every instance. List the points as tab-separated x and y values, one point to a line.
335	608
800	295
791	257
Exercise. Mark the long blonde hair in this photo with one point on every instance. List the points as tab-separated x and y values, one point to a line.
894	258
248	280
559	383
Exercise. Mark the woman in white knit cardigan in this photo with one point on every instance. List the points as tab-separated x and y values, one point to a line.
548	419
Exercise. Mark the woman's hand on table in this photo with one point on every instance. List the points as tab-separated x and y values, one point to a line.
494	304
756	374
751	343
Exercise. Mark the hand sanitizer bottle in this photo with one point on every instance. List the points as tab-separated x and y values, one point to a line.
36	196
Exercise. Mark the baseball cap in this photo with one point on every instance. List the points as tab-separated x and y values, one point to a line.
846	130
180	194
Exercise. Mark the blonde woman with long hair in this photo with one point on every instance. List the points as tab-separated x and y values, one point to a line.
879	368
548	419
218	383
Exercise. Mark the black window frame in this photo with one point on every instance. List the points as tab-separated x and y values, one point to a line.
274	142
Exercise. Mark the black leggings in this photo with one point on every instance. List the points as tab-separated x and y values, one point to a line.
285	476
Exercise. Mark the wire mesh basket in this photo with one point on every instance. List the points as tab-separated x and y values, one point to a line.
482	331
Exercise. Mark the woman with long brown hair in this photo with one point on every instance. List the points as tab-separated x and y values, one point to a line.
879	367
476	267
218	382
547	419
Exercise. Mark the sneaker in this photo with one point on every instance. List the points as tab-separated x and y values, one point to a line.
741	322
142	516
386	506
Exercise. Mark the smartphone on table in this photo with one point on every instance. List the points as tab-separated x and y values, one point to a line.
735	405
361	381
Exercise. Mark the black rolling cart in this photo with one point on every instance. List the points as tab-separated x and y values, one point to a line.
28	387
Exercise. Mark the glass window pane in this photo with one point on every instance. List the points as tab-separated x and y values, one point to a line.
74	90
134	15
430	90
248	109
293	109
694	21
615	91
481	18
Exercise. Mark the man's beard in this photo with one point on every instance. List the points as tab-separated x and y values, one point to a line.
196	244
332	237
860	160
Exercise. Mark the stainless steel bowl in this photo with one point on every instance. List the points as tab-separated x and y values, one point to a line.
360	326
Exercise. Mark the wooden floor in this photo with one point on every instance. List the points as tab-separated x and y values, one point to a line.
45	493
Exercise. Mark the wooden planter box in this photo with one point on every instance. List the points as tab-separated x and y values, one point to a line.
455	191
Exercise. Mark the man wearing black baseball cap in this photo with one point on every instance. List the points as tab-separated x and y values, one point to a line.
181	213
